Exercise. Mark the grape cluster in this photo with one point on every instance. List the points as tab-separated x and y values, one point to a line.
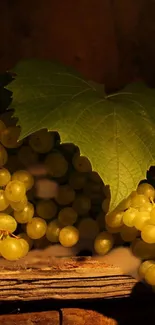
75	212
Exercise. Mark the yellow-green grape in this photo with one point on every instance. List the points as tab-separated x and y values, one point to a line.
142	218
42	141
12	249
129	216
27	156
113	230
100	219
147	190
146	207
114	219
144	267
150	275
67	216
15	191
138	200
41	243
77	180
148	234
69	150
65	195
143	250
9	137
7	223
68	236
124	204
36	228
82	204
128	234
82	164
25	246
95	177
53	230
25	215
25	177
5	177
105	205
46	209
56	164
88	228
19	206
24	236
3	156
103	243
4	203
152	216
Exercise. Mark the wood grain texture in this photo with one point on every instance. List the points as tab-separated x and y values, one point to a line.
39	318
77	316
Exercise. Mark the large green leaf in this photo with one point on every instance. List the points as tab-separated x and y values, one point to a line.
116	132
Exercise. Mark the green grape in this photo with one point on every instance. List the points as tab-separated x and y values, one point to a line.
95	177
15	191
77	180
19	206
100	219
27	156
53	230
138	200
81	163
143	250
12	249
4	203
88	228
152	216
129	216
150	275
24	236
67	216
128	234
114	219
25	246
144	267
82	204
68	236
46	209
56	164
25	177
42	141
113	230
9	137
3	156
5	177
147	190
69	150
148	234
65	195
25	215
7	223
36	228
103	243
41	243
142	218
105	205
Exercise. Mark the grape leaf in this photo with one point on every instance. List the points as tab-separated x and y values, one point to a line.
117	132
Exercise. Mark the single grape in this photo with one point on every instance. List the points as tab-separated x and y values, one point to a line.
4	203
15	191
7	223
138	200
36	228
56	164
81	163
143	250
24	236
144	267
53	230
105	205
25	215
129	216
88	228
25	177
147	190
77	180
3	156
114	219
100	219
69	150
142	218
152	216
19	206
42	141
128	234
68	236
150	275
27	156
9	137
46	209
67	216
5	177
12	249
148	234
65	195
103	243
82	204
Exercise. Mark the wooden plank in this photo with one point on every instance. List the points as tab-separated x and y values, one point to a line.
81	317
39	318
